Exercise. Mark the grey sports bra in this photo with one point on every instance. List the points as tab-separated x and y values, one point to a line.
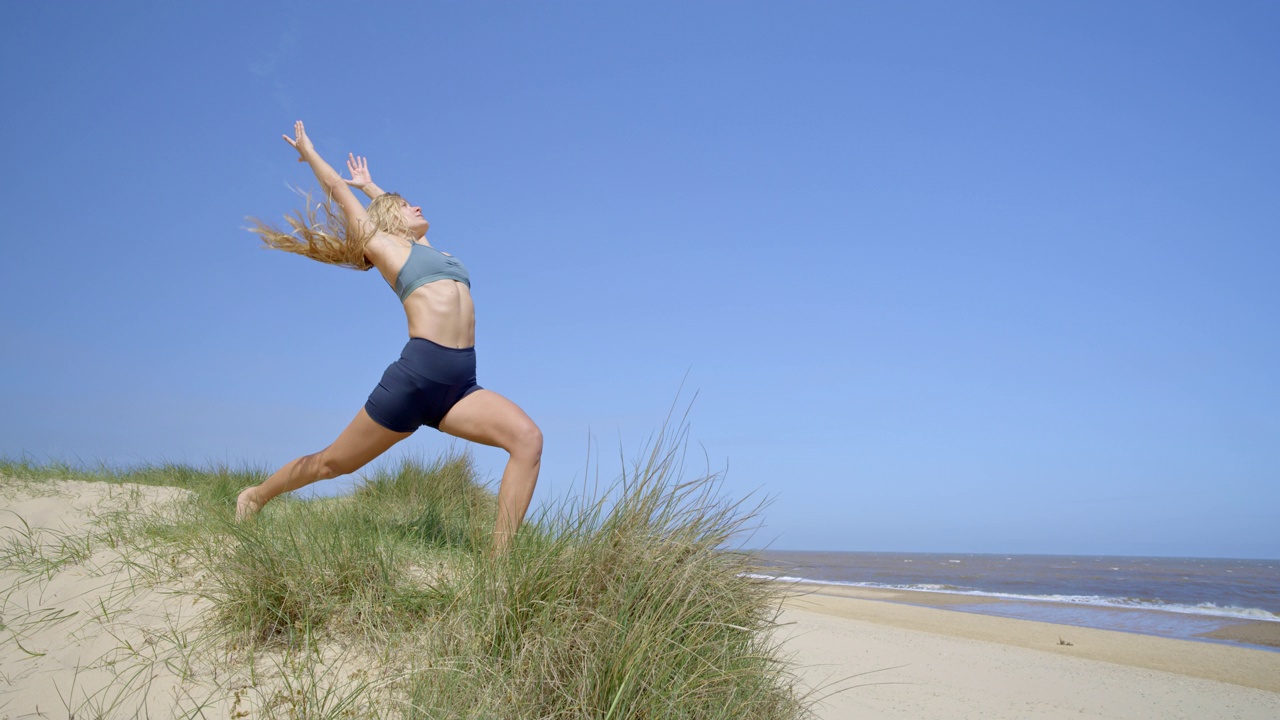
426	264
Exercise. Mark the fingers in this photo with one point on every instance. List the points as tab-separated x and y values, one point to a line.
357	165
299	134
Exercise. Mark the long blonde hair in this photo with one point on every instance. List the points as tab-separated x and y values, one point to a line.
384	213
321	233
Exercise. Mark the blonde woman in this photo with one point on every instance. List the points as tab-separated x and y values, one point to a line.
434	381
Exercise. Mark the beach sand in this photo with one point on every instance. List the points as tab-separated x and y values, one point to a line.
872	656
91	627
84	631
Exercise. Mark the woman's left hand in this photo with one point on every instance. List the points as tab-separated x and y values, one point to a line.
359	169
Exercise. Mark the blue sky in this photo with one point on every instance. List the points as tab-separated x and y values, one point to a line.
967	277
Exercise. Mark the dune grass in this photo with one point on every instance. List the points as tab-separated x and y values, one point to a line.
624	601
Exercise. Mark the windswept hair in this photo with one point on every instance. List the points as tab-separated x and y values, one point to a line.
321	233
384	213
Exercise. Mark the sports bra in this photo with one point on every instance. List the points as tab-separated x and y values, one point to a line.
427	264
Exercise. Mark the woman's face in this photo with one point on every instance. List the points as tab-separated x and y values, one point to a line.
413	218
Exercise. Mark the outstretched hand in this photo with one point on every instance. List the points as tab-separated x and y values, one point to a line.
300	142
359	169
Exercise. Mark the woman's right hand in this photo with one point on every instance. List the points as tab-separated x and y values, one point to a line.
359	169
301	142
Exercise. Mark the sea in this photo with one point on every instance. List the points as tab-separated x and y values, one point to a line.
1169	597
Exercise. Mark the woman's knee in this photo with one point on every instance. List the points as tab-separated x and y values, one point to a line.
327	466
527	442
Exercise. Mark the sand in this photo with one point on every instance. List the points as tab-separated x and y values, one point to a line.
874	657
91	627
86	630
83	632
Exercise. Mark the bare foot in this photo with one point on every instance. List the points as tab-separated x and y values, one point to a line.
247	504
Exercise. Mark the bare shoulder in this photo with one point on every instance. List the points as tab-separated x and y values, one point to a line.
384	244
386	252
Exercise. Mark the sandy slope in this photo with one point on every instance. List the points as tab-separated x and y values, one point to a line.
93	627
84	630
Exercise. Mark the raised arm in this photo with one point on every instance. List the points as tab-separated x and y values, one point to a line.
360	177
329	178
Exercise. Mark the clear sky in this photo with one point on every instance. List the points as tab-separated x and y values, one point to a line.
970	277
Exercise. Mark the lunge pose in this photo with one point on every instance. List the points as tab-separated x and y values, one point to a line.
434	381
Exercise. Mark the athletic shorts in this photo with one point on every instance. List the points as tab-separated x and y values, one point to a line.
422	386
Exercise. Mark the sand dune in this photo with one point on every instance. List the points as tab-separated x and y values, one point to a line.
87	630
84	631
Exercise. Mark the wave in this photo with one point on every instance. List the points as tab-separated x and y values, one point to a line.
1210	609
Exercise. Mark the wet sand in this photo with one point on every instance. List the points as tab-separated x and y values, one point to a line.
1253	633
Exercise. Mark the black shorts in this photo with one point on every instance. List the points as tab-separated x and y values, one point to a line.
422	386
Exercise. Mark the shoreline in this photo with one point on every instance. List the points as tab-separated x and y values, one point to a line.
943	614
1241	632
871	653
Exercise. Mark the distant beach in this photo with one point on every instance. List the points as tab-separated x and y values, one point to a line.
878	653
916	635
1214	600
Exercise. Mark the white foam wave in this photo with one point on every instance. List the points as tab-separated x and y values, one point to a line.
1211	609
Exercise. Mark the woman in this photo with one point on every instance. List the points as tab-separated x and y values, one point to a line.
434	381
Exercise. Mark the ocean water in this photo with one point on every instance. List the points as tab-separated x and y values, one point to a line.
1170	597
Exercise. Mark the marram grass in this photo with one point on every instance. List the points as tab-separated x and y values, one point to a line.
625	602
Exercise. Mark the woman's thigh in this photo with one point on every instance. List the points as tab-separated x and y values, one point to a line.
361	441
488	418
